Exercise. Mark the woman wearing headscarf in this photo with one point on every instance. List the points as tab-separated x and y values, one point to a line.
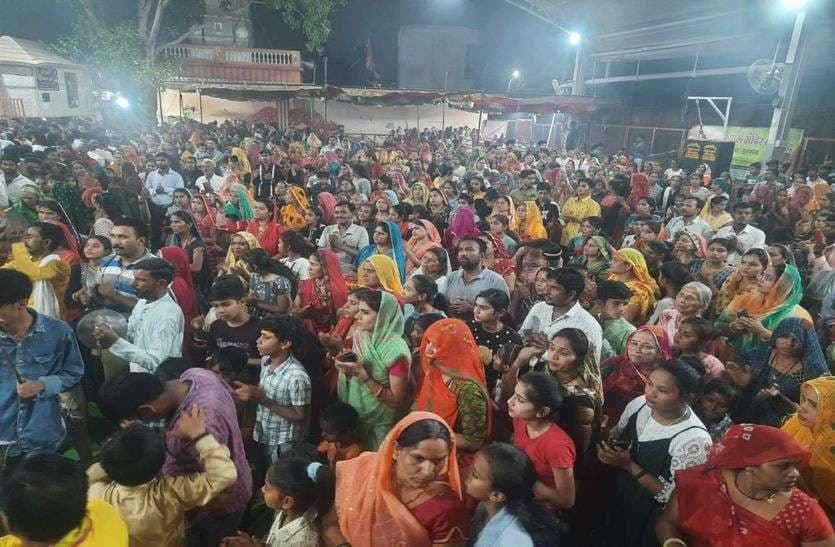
419	194
625	377
749	319
792	356
639	189
205	217
496	258
237	212
462	225
693	300
822	282
376	383
379	272
453	385
387	242
424	237
292	214
264	225
235	262
630	267
689	246
745	495
381	500
813	428
322	295
326	203
744	279
596	257
182	286
527	223
713	212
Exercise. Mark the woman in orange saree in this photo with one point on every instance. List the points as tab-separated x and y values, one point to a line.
453	385
406	493
292	214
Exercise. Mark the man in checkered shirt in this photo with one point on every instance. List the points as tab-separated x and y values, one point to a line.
284	392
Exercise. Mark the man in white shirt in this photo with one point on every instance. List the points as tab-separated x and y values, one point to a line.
210	181
689	220
344	238
155	326
11	181
561	309
746	236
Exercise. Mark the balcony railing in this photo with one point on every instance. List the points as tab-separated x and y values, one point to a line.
11	108
219	63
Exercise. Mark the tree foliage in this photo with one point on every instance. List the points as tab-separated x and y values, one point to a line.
125	53
311	17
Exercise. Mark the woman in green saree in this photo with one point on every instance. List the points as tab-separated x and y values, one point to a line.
596	256
750	319
376	384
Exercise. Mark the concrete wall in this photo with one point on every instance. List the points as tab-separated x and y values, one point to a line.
18	82
355	118
426	52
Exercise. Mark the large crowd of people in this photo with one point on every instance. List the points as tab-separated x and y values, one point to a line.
436	340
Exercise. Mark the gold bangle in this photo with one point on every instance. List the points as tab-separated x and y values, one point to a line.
674	541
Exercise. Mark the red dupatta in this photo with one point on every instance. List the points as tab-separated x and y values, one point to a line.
336	286
502	265
269	239
182	286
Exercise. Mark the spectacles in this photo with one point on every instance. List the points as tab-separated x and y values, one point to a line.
642	347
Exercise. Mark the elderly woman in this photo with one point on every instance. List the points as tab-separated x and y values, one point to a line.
746	494
693	300
406	493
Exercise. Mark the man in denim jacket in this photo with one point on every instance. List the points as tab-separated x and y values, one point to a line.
39	359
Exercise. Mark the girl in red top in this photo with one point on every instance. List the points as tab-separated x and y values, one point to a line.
534	406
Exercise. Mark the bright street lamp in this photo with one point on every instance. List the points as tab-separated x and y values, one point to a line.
794	4
574	38
122	102
515	75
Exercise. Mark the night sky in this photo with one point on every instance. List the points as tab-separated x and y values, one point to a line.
510	39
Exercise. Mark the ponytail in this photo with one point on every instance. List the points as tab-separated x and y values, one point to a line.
310	484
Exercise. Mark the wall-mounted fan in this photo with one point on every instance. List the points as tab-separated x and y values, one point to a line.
765	76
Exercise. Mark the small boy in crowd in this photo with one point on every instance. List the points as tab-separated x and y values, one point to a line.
44	502
612	299
154	506
284	392
714	405
339	434
230	363
234	325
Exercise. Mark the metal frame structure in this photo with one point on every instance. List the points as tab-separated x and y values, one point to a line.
724	117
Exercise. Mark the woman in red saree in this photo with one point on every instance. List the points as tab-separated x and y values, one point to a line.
264	225
383	498
453	385
182	287
745	495
497	259
321	296
625	377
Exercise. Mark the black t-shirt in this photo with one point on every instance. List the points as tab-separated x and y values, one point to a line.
221	335
493	341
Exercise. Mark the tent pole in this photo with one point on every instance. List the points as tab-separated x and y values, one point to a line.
480	114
